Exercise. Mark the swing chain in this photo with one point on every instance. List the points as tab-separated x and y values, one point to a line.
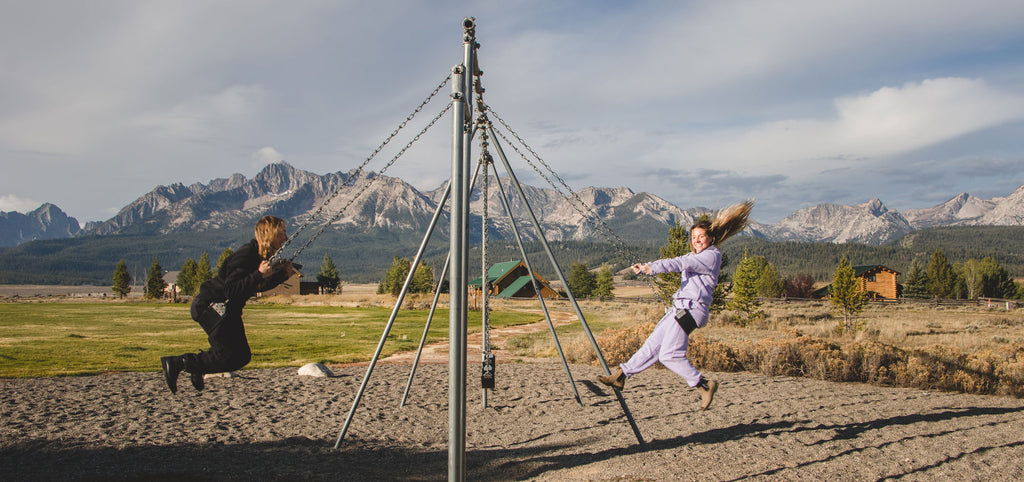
373	179
589	216
485	285
355	174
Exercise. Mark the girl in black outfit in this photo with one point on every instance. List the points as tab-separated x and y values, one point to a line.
218	306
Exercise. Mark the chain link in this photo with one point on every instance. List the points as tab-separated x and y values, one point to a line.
589	216
370	181
351	179
485	285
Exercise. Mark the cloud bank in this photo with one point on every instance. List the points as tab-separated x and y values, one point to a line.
794	103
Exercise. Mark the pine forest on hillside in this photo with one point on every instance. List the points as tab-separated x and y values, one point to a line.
365	257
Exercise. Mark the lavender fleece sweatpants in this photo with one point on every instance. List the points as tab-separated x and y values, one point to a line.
667	344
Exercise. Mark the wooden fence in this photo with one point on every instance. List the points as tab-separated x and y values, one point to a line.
991	303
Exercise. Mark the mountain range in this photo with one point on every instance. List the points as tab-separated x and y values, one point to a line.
391	204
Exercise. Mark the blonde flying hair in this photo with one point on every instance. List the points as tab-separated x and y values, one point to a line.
267	230
727	222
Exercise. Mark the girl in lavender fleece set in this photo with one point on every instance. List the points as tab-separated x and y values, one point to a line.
699	271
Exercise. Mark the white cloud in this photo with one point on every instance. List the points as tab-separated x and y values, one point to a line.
886	122
266	155
760	91
897	119
10	202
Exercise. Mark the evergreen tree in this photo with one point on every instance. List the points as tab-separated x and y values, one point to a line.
959	287
203	271
122	280
422	280
846	296
941	278
678	244
1009	286
604	283
223	257
722	289
187	277
916	285
769	281
744	286
155	284
328	276
996	282
581	280
395	277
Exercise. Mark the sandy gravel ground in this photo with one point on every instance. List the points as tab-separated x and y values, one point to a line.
275	425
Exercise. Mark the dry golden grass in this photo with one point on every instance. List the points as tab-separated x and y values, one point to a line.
356	296
975	349
972	349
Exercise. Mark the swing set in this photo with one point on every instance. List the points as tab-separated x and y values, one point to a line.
471	120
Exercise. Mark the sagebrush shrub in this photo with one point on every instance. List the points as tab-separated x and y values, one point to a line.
935	367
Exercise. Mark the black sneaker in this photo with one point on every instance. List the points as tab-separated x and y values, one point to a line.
198	380
172	367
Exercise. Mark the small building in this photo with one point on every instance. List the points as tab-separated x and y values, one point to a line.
311	288
291	286
171	278
511	280
875	279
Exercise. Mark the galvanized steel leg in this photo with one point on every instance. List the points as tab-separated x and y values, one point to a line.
561	277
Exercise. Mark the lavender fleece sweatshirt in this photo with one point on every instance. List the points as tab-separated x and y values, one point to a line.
699	273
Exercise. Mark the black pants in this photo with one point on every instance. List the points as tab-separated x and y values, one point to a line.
229	349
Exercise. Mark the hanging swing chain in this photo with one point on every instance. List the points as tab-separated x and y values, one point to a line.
481	123
588	215
485	288
355	174
352	177
373	179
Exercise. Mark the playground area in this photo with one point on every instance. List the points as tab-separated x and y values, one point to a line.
274	425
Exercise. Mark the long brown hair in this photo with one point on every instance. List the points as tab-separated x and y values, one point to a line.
727	222
267	230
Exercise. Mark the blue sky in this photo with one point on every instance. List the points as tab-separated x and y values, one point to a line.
792	103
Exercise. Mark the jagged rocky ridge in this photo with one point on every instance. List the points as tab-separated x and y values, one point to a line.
391	204
387	203
46	222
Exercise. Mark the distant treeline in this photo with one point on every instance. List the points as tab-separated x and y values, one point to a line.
364	257
1005	244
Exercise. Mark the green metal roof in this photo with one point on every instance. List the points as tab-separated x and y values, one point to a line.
514	288
496	272
500	270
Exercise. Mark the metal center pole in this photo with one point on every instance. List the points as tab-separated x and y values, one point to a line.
457	317
457	296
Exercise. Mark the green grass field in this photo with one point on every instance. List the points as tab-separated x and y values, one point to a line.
58	339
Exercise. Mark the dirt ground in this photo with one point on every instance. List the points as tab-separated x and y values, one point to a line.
276	425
